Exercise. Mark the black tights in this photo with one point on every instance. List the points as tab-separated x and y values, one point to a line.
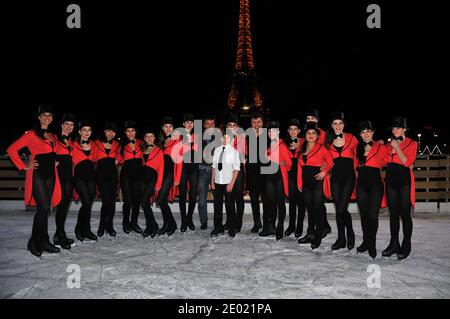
274	198
130	185
342	193
255	185
314	201
147	190
296	203
369	195
399	204
189	175
63	206
163	195
42	194
86	191
107	187
238	192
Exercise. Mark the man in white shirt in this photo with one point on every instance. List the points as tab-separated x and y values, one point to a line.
226	166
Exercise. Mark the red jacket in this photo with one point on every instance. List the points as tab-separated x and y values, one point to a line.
279	153
349	149
36	146
101	153
78	154
128	152
319	156
156	161
409	148
376	158
174	149
240	145
62	148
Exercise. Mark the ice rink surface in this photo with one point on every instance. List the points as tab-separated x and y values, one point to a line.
194	265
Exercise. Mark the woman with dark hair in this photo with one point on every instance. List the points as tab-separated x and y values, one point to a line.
107	158
63	150
151	180
400	187
170	144
42	188
131	154
189	174
369	186
314	164
343	177
296	202
276	186
83	158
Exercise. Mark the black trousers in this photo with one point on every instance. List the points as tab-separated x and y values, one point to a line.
238	192
86	191
369	191
189	174
399	204
274	198
163	195
314	198
66	181
255	185
131	186
342	190
42	193
220	193
297	207
148	183
107	181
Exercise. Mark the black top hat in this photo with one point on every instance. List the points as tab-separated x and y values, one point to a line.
167	120
112	126
45	108
130	124
273	124
365	125
312	112
398	122
311	126
188	117
294	122
84	123
68	117
232	118
338	115
147	130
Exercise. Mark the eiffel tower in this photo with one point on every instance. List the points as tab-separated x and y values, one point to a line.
245	97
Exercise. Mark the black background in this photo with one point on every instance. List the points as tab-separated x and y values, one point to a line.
143	60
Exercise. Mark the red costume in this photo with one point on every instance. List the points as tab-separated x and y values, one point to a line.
36	146
279	153
409	148
319	156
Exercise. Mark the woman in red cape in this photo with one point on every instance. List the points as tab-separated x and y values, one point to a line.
131	158
151	180
276	184
342	146
369	186
107	157
83	158
314	164
42	188
400	188
171	145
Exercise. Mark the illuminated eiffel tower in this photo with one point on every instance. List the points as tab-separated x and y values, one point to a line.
245	97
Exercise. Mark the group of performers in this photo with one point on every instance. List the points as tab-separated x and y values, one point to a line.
307	168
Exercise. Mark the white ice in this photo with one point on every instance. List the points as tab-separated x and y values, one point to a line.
193	265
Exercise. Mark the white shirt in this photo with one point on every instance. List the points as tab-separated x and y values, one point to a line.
230	163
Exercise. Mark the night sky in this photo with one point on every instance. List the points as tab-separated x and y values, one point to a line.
136	60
